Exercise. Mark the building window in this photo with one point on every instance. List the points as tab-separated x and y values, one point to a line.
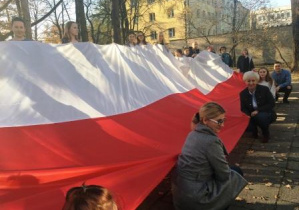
170	13
288	15
133	3
278	16
282	15
152	17
171	32
153	35
150	1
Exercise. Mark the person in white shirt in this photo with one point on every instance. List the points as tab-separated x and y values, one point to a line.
185	61
266	80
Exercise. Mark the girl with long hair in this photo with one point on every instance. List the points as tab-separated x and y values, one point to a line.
70	33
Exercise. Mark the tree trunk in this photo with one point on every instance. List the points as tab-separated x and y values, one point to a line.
234	33
26	17
124	20
115	21
92	30
18	4
81	20
295	25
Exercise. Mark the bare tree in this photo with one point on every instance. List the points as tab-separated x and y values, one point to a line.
26	17
4	6
295	20
115	21
81	20
124	20
7	10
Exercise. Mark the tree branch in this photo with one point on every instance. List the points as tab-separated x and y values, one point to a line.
5	5
46	15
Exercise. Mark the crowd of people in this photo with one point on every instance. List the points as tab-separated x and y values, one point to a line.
202	178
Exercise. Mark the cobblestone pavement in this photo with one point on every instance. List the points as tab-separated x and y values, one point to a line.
272	169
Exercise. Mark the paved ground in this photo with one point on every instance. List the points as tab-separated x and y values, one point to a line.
272	169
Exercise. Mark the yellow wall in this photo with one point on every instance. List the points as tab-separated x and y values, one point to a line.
162	22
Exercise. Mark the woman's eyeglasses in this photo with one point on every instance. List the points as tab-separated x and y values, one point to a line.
218	122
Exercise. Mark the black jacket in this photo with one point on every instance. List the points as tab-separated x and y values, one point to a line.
243	65
264	99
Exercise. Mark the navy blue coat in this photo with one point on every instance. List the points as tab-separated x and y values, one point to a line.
264	99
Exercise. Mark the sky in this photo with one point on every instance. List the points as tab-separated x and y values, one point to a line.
280	2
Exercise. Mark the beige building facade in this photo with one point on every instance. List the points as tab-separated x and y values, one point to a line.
271	17
155	16
184	19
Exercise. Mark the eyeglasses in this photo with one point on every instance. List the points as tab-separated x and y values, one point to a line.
218	122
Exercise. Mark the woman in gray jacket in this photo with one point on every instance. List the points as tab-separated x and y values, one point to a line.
203	179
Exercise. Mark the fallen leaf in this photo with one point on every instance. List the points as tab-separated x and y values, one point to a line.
239	199
277	172
237	164
250	151
269	184
288	186
264	198
289	180
264	164
276	196
283	154
274	152
250	183
276	163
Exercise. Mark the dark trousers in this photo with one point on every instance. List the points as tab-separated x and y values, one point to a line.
237	169
286	92
262	120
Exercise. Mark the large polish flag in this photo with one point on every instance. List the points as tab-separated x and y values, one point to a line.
108	115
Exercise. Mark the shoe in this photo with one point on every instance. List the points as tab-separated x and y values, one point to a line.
265	139
255	136
286	102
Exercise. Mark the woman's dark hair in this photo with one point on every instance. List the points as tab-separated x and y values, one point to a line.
89	197
138	41
179	51
196	118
